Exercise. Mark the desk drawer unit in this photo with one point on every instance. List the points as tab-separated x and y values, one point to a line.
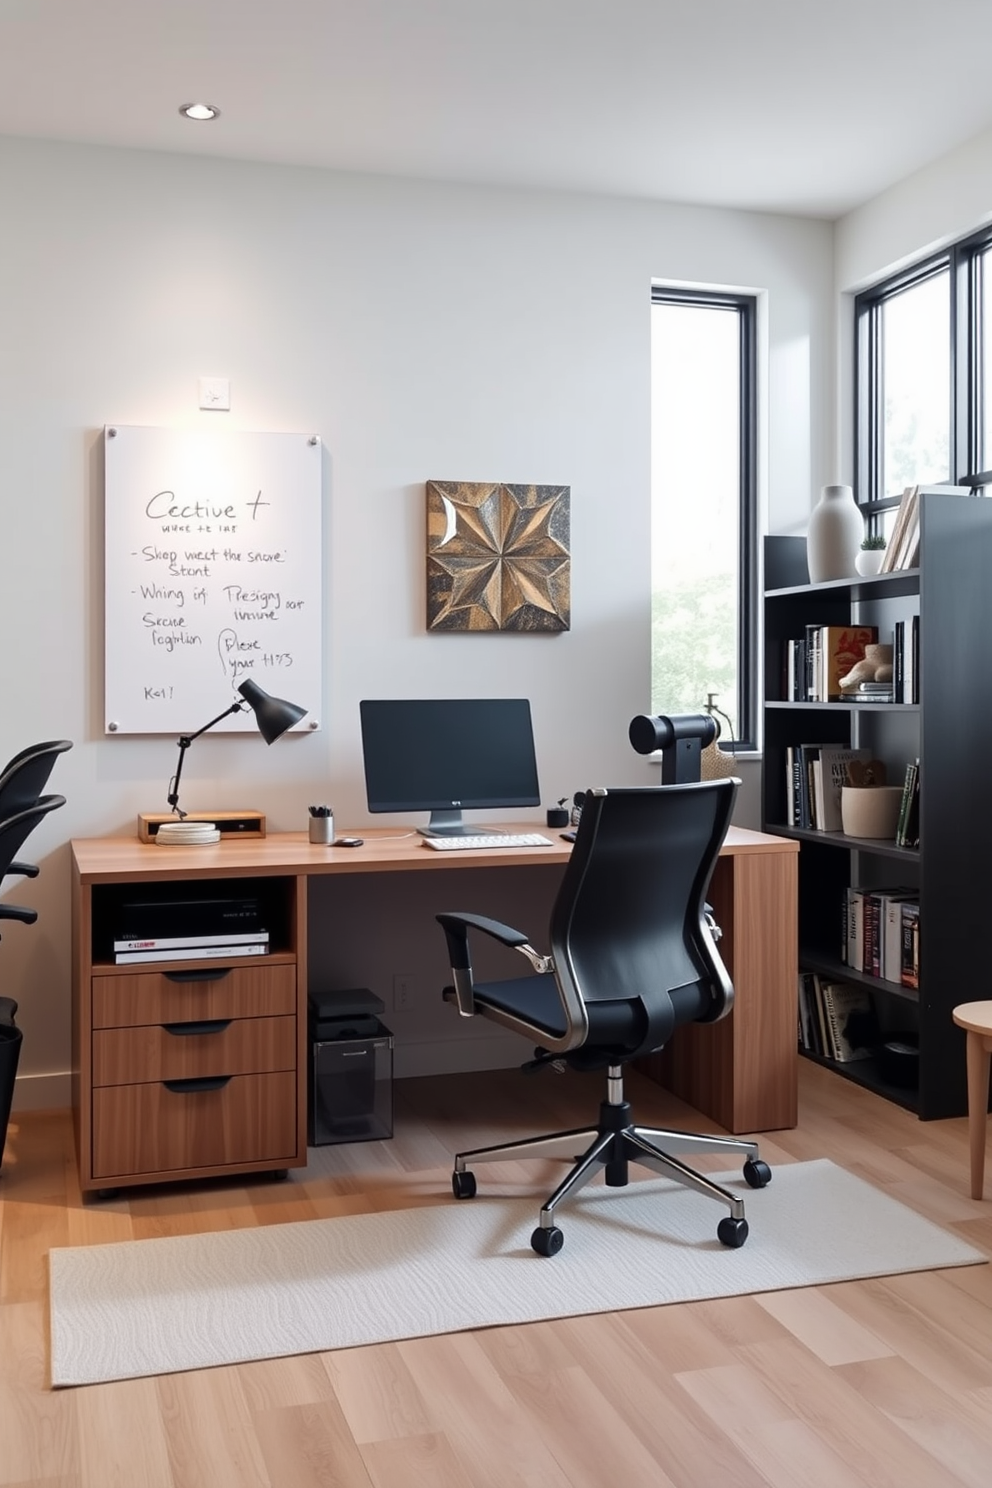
193	1069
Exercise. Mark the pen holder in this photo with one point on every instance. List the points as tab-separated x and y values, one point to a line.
322	830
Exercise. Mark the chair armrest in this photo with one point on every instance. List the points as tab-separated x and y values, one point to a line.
16	912
456	926
26	870
454	920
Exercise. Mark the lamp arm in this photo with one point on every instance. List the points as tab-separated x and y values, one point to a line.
185	740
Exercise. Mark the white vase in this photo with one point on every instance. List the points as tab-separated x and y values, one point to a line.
833	538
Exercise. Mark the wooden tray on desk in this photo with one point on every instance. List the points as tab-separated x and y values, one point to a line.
229	823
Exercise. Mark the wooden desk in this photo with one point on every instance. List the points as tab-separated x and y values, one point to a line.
156	1099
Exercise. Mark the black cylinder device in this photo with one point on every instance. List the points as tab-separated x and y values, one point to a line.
679	738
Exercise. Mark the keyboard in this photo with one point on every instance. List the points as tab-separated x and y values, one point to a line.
490	839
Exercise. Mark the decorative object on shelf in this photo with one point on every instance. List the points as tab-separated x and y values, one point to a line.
272	715
876	666
716	763
834	536
497	557
870	810
871	557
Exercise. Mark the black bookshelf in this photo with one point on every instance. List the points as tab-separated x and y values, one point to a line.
949	731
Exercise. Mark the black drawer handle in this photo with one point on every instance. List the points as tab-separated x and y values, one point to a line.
203	974
192	1087
208	1025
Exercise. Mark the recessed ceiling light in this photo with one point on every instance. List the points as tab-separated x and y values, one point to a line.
199	111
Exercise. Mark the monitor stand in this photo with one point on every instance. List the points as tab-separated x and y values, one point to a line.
449	823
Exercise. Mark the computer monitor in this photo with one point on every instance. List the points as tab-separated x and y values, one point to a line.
444	755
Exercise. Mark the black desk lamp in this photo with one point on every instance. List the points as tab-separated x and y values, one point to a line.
272	715
680	738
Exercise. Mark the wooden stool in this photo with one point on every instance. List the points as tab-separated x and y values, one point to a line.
976	1017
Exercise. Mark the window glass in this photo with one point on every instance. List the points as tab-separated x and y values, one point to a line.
916	381
985	338
696	496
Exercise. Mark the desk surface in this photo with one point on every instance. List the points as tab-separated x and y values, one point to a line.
385	849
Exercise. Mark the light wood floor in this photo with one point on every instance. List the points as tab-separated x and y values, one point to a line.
867	1383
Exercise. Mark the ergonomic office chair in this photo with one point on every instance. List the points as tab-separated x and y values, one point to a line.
22	781
13	833
632	957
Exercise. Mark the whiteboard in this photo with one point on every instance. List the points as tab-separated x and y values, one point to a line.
213	575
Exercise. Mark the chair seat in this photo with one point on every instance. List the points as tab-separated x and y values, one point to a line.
615	1028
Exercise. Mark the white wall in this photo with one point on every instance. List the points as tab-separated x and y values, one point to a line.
422	331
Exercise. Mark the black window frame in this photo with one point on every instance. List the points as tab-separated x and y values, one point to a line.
964	260
746	307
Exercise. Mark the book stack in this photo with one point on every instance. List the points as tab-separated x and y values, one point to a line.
903	547
872	692
814	663
815	774
836	1019
881	933
184	930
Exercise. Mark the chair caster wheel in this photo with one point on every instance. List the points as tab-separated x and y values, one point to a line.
107	1193
732	1232
463	1185
279	1175
757	1173
547	1242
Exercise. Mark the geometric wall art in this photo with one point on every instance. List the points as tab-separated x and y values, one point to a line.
497	557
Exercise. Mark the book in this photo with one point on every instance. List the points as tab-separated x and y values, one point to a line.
908	786
854	942
841	648
830	773
188	942
911	826
909	974
822	1028
809	1032
898	661
200	953
892	934
913	662
895	550
851	1020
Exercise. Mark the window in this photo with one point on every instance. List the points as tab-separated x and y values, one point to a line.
703	506
922	340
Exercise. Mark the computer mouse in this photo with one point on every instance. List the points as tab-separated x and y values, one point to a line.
567	836
349	842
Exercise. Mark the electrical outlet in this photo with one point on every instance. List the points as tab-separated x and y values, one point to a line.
215	392
403	989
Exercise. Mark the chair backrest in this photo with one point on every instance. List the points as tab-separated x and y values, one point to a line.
15	830
629	922
25	776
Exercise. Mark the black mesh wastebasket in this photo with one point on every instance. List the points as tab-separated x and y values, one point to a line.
10	1051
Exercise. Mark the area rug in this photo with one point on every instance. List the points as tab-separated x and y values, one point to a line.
157	1306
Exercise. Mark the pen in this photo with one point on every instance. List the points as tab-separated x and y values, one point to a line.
320	810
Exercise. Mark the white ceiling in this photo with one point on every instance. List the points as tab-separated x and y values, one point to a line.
802	106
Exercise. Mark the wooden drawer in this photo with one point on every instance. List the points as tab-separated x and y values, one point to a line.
125	1056
189	996
152	1129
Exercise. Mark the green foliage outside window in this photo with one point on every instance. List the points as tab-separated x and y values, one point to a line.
694	644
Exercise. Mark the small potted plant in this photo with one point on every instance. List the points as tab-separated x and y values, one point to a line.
869	560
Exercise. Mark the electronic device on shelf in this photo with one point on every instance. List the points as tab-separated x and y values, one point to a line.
489	839
446	755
